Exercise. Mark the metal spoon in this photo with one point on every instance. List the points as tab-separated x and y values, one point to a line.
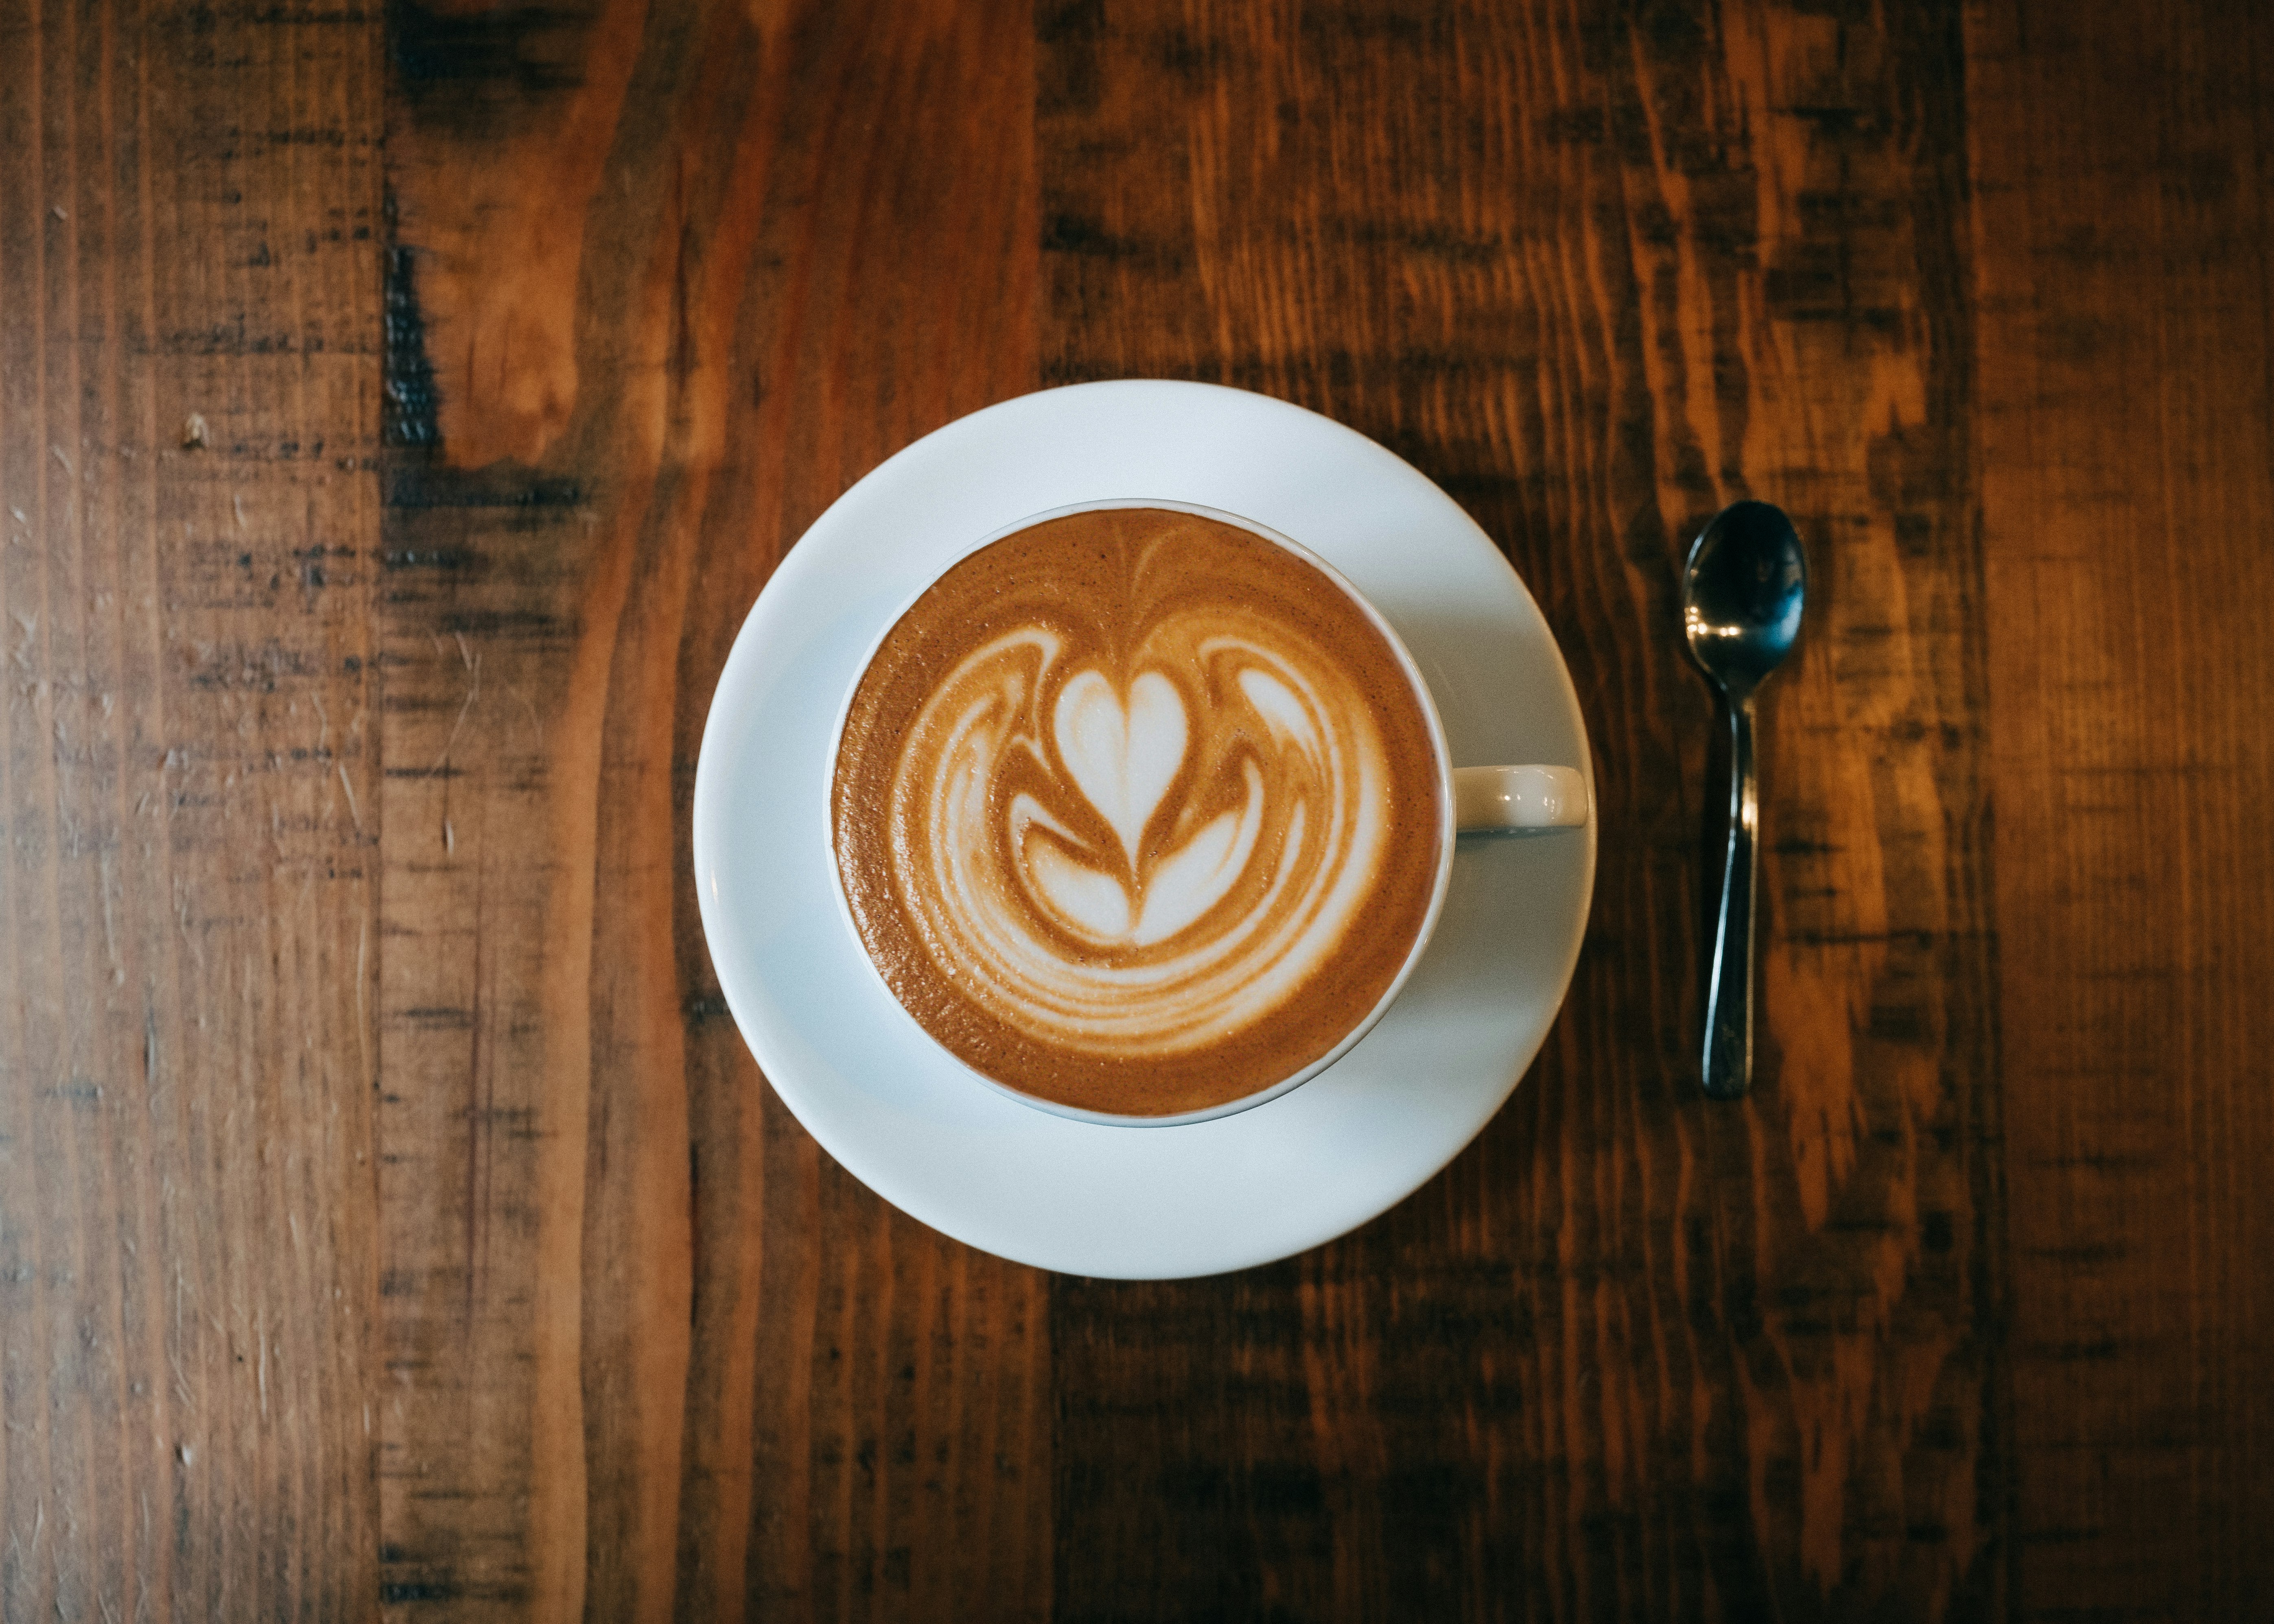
1741	600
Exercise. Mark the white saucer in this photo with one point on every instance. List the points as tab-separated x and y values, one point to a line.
909	1122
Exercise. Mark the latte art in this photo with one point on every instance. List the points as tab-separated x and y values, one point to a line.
1021	811
1124	817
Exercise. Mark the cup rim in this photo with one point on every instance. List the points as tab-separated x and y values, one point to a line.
1447	829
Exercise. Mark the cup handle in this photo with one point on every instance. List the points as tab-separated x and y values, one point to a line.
1518	798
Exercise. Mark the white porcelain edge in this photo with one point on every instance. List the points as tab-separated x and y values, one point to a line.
1445	801
869	1133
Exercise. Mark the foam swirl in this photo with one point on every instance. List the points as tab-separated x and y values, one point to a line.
1050	869
1133	826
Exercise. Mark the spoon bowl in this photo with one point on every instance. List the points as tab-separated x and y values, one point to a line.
1742	596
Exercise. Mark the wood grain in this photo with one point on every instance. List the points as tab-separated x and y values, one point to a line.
1631	1357
657	1354
399	412
189	221
2128	506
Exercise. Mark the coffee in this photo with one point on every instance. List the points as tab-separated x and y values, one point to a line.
1137	812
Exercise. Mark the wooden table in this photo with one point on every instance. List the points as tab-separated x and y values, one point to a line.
400	409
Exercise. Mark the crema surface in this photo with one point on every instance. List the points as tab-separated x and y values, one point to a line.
1137	812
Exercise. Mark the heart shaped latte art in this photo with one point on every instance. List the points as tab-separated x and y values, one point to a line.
1122	753
1133	802
1143	865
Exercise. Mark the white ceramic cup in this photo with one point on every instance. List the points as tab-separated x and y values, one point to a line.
1526	799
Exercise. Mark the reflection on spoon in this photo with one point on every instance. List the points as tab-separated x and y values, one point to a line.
1742	596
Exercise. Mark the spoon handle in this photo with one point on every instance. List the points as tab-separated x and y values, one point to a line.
1729	1056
